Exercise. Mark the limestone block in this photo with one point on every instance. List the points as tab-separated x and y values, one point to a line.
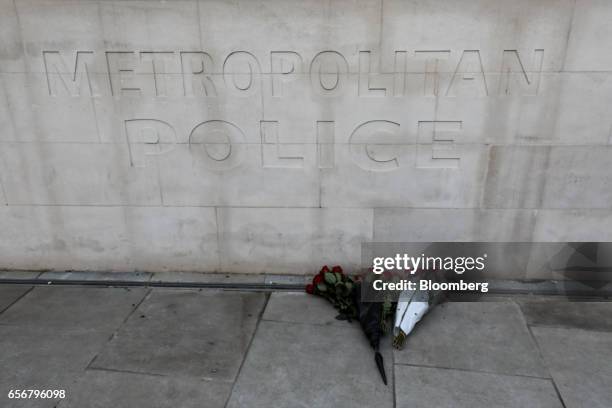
582	116
2	195
576	178
171	239
516	176
303	27
430	225
109	238
548	177
190	175
464	120
177	117
11	47
483	26
75	174
157	27
88	238
66	26
291	240
423	175
588	225
590	25
31	114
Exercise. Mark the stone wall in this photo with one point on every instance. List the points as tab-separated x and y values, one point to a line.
276	136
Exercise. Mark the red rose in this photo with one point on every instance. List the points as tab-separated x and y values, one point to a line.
324	269
317	279
310	289
337	269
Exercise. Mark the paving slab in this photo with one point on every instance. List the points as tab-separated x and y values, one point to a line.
199	333
302	308
74	308
104	389
10	293
580	364
426	387
34	357
562	313
303	365
490	337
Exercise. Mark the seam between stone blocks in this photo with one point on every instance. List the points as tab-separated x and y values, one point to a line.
218	237
17	300
472	371
568	35
396	207
248	350
552	380
537	346
114	333
548	326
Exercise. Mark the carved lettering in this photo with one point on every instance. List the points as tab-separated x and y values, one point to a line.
196	68
435	144
160	61
399	73
328	70
325	144
65	80
285	66
469	76
374	145
273	152
154	73
365	88
433	60
222	143
242	73
121	73
148	137
514	75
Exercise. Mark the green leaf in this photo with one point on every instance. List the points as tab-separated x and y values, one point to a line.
330	278
322	287
338	277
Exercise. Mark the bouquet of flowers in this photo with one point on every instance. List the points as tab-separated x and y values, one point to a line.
375	317
337	288
344	293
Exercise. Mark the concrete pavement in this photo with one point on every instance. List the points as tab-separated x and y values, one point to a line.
162	347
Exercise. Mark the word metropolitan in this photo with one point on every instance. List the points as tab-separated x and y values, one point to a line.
443	73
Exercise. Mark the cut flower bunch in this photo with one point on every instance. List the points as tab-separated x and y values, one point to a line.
337	288
345	294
